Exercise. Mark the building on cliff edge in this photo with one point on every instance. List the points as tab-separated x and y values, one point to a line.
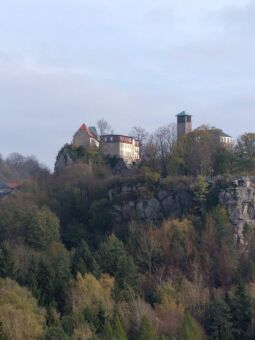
125	147
86	137
184	126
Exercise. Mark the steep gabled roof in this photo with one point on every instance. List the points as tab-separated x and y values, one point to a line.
89	131
83	127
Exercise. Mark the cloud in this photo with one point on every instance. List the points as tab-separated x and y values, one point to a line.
133	63
236	18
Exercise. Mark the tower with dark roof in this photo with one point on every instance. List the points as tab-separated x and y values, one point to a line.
184	123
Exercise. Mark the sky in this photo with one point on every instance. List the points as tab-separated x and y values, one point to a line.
132	62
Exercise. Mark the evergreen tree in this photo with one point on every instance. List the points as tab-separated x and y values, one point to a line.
190	329
45	281
146	331
219	325
118	331
241	311
83	261
32	277
55	333
108	331
115	261
3	334
7	263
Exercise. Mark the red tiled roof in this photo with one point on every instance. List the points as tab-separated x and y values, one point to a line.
84	127
13	185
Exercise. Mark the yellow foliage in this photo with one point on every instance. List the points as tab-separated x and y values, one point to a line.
168	297
19	313
87	291
169	312
83	332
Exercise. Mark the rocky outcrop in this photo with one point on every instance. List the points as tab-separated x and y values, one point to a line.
140	202
239	198
63	160
157	202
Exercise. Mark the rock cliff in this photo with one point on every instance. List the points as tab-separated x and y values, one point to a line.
63	160
239	198
157	202
149	203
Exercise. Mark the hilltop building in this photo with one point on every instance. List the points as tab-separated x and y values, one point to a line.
227	140
86	137
184	126
126	147
184	123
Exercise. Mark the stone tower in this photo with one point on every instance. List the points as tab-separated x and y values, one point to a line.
184	123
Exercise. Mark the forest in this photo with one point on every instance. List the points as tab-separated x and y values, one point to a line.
70	270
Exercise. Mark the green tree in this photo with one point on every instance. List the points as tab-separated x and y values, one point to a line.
245	150
45	284
59	262
218	251
32	276
118	331
190	329
224	161
3	333
241	311
108	331
55	333
49	276
42	229
219	325
200	190
83	261
7	262
194	153
146	331
114	260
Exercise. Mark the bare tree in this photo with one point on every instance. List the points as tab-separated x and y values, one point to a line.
104	127
25	167
142	136
164	140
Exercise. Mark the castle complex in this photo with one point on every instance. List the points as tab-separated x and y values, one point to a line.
127	147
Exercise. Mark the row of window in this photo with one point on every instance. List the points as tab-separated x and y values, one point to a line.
227	140
129	154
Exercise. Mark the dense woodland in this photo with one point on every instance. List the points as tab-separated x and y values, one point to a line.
68	271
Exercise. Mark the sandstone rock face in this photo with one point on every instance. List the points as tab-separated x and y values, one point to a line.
239	199
133	201
139	202
63	160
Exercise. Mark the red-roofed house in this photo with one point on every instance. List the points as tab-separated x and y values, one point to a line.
85	137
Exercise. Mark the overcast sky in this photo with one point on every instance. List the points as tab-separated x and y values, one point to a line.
133	62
